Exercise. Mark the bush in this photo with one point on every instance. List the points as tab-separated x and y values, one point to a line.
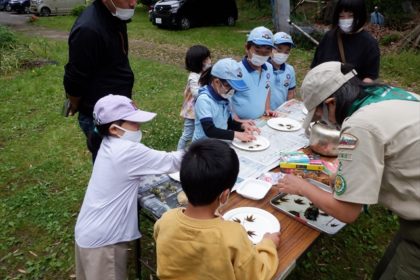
395	17
389	39
7	38
78	10
22	55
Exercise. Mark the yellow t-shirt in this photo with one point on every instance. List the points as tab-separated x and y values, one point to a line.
194	249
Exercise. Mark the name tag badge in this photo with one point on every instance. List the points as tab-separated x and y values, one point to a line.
344	156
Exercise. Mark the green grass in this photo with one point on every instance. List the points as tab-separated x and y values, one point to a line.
44	165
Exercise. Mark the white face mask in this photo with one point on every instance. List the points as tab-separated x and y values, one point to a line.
228	93
206	66
133	136
258	60
345	24
280	58
122	14
217	212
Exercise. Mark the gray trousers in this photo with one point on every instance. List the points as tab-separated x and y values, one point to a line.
103	263
401	260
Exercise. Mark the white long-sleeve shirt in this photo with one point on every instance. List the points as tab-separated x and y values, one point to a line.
109	211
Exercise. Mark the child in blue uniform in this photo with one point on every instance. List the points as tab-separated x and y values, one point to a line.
283	82
254	102
213	117
197	60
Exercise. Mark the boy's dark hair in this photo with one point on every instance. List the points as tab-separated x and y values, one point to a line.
103	129
195	57
208	168
357	7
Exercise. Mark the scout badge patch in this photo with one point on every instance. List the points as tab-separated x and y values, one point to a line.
347	141
340	185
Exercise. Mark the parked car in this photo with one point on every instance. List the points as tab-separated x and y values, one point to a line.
54	7
148	2
4	5
20	6
187	13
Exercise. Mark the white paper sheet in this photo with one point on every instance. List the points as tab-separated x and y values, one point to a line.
253	164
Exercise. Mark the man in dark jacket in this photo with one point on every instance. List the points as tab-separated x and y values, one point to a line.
98	61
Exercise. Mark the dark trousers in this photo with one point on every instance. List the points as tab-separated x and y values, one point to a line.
93	139
402	257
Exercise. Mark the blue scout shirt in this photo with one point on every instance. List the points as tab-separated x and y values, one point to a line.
250	104
283	80
210	105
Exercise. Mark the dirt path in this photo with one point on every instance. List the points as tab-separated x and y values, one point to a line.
165	53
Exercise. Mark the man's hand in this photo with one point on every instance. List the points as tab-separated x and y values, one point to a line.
74	104
291	184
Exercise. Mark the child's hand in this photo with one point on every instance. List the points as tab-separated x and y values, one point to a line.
250	128
247	122
275	237
271	113
244	136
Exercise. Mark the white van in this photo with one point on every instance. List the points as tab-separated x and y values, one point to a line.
54	7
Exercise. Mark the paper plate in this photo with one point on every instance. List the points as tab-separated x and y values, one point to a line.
175	176
284	124
253	188
259	144
256	221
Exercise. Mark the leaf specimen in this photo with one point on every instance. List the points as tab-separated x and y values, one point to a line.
250	218
299	201
251	233
236	220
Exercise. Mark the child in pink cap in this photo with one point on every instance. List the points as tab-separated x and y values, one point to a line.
108	220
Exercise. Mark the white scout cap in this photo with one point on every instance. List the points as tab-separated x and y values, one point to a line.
320	83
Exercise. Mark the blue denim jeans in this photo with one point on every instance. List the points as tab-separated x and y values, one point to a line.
187	134
93	140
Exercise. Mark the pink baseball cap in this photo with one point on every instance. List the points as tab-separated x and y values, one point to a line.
112	108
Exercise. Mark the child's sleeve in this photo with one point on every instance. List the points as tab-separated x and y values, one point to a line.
203	112
142	160
193	84
257	262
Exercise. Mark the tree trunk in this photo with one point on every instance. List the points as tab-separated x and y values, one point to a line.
282	14
407	6
412	39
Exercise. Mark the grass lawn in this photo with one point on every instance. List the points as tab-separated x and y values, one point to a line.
44	165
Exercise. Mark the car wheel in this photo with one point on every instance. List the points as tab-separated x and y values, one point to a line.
8	8
185	23
230	21
45	12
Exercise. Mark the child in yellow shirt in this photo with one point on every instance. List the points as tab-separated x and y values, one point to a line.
196	242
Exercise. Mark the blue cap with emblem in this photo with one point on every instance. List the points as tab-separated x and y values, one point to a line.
283	38
261	36
229	70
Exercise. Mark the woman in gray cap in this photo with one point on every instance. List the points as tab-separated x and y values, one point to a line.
379	158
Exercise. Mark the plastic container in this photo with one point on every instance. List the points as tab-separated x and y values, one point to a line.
253	189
